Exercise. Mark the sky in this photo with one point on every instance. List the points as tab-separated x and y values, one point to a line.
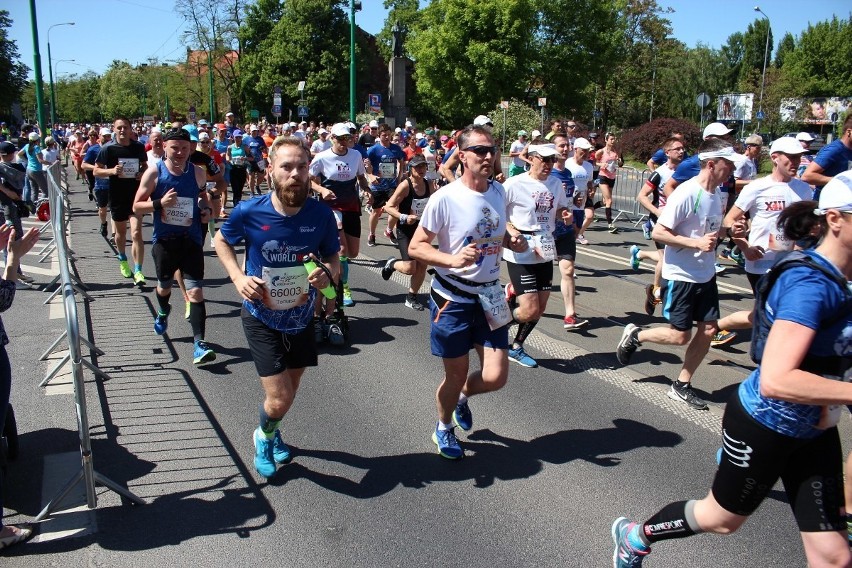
153	29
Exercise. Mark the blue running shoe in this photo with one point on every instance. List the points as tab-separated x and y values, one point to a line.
520	357
447	444
280	450
263	462
463	417
624	555
634	257
161	323
202	353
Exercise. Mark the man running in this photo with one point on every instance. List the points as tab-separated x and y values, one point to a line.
124	162
468	220
689	226
278	291
175	193
100	185
386	159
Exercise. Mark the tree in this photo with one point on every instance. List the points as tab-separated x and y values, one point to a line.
733	52
406	13
78	98
821	63
469	55
519	116
787	45
754	45
14	72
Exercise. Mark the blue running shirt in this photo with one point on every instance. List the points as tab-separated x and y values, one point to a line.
184	217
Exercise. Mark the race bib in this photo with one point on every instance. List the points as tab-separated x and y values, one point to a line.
387	170
129	167
417	206
238	160
777	242
544	246
261	164
179	214
493	302
611	166
287	287
830	415
529	256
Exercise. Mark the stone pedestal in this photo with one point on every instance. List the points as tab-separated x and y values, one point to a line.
396	111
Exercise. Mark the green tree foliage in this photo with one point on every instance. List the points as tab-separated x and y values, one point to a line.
519	116
406	13
733	52
13	72
469	55
78	98
754	45
641	142
821	63
788	44
120	92
682	74
308	43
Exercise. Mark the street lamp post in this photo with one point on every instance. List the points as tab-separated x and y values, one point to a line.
354	6
765	55
53	92
50	72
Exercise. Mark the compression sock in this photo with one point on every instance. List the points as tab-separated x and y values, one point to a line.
137	268
268	425
675	520
524	330
163	302
197	319
122	256
344	269
608	212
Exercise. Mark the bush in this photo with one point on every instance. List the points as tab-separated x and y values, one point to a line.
641	142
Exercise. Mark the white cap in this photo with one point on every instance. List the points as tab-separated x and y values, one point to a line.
202	136
105	131
543	150
408	124
229	114
419	135
253	127
293	125
374	124
398	129
726	153
804	137
481	120
340	129
583	144
716	129
836	194
322	131
535	134
786	145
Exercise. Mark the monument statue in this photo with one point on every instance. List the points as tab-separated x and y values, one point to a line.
396	43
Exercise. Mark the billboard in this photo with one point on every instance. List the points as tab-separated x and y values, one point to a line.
815	110
735	106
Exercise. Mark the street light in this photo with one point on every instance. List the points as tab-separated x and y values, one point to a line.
765	54
53	92
354	6
50	71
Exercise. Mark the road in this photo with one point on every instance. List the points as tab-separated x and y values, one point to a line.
553	458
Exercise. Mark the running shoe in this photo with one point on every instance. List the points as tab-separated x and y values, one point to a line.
371	240
719	268
161	323
520	357
21	285
725	254
139	278
634	257
25	278
389	234
264	462
651	299
413	303
348	302
19	534
124	267
628	344
463	417
280	450
646	231
334	333
624	555
202	353
612	228
687	395
448	445
573	323
722	337
582	240
388	269
103	230
737	256
186	310
91	196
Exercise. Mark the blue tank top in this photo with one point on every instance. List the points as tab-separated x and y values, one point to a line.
184	217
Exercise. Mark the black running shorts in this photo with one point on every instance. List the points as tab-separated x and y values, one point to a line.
274	351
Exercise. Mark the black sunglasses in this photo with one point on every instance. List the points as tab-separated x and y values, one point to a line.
481	150
547	160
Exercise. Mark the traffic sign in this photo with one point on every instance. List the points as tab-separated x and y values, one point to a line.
760	115
276	89
598	114
702	100
276	110
192	113
375	102
302	111
542	101
504	105
254	113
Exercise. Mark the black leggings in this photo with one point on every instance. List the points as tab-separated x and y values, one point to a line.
238	182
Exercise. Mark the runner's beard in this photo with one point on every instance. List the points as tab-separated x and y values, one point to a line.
292	192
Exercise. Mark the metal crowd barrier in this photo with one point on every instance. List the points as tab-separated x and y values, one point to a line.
60	215
628	183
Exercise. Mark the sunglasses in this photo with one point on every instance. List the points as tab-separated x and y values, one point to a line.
343	137
548	159
481	150
753	145
571	125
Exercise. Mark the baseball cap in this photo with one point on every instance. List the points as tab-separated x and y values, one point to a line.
229	114
836	194
482	120
522	132
786	145
535	134
253	127
804	137
322	131
179	134
417	160
34	135
408	124
237	133
716	129
202	122
191	129
203	136
105	131
340	129
418	136
444	138
374	124
543	150
754	139
582	144
7	148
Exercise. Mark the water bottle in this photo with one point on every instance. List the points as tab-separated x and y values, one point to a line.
310	266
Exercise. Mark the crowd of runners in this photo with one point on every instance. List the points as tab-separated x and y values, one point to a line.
283	209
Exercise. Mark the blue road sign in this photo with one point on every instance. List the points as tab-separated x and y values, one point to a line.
302	111
760	115
276	110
